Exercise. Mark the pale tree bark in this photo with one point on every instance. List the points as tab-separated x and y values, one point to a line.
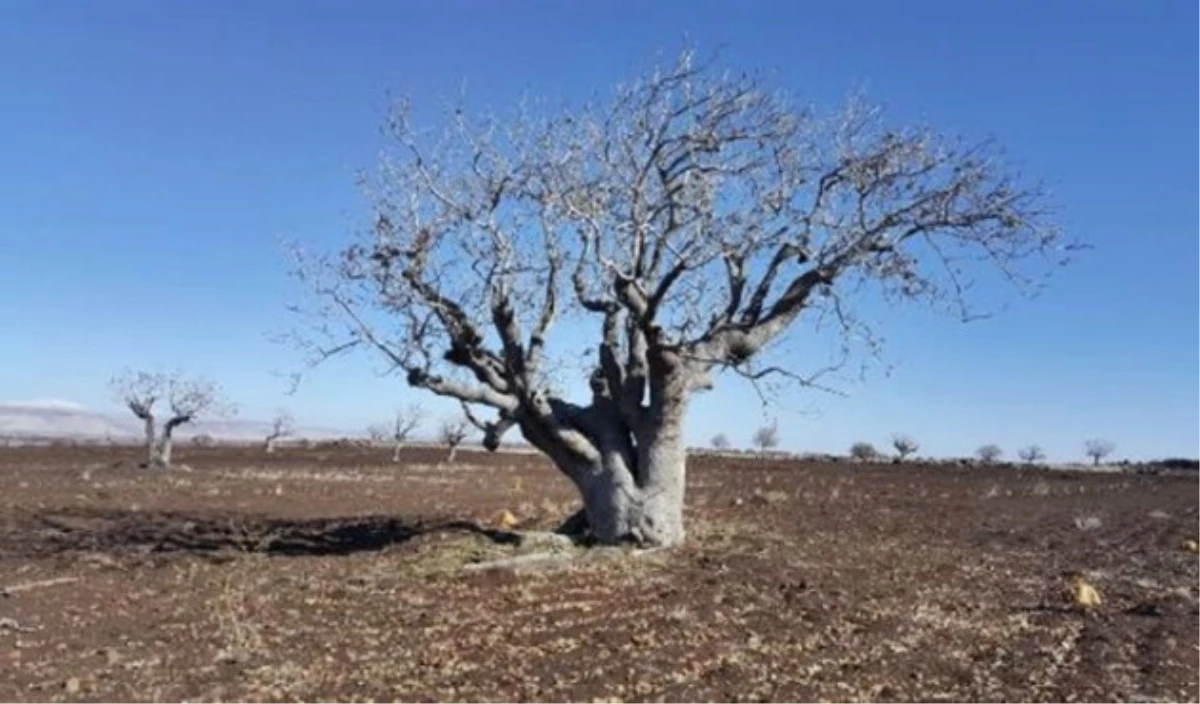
695	218
166	440
150	434
184	399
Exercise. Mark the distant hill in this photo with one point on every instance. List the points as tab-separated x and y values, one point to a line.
55	419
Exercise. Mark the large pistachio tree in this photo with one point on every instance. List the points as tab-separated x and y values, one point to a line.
696	217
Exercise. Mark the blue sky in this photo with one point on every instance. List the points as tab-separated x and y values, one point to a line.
153	154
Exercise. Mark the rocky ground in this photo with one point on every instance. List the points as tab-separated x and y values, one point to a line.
333	574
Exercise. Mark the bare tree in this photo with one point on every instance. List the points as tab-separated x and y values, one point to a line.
452	433
989	453
695	216
767	437
377	433
720	441
184	399
407	420
863	451
282	425
905	446
1031	454
1098	449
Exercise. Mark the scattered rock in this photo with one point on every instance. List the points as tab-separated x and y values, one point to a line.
229	656
773	496
99	559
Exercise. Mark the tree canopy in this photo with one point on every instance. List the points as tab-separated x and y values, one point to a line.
693	216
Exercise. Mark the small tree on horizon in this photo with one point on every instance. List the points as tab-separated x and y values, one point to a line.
767	437
377	433
184	399
863	451
1098	449
282	425
1031	454
989	453
452	433
905	446
720	441
405	424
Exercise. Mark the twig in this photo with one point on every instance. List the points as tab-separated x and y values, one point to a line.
27	586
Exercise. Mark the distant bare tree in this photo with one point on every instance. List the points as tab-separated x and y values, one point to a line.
720	441
767	437
695	216
1098	449
185	399
905	446
989	453
1031	454
452	434
202	440
407	420
863	451
282	426
378	433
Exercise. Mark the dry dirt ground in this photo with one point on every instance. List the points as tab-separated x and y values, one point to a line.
332	574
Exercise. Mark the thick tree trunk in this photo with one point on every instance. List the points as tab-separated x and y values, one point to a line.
620	512
162	459
270	445
151	442
453	452
396	451
642	504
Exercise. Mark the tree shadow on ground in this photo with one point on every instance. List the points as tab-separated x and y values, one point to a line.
142	532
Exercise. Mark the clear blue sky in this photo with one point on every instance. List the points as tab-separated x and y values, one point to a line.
153	153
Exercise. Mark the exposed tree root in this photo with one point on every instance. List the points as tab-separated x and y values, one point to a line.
576	526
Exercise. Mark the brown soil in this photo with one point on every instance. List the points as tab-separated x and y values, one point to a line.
333	574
